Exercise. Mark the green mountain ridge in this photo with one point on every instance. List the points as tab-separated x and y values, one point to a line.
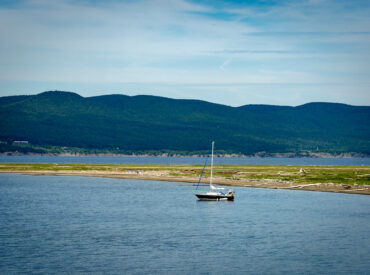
146	123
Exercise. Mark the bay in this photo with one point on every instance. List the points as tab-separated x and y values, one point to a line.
186	160
59	224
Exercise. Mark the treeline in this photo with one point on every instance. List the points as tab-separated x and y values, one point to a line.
141	124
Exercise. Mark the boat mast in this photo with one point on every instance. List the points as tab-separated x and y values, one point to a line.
210	181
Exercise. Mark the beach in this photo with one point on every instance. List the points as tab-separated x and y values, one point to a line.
341	179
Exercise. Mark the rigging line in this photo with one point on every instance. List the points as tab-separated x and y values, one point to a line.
201	174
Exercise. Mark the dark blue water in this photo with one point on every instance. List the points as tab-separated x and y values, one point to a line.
80	224
186	160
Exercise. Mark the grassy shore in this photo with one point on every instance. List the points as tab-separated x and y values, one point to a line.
346	179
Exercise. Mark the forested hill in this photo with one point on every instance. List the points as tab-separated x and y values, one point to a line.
144	123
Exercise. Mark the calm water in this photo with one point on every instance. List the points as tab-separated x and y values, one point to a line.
115	226
185	160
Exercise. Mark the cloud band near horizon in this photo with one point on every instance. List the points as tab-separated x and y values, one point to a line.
229	52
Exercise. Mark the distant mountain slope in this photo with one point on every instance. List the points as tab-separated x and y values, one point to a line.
140	123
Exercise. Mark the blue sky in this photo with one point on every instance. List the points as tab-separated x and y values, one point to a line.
229	52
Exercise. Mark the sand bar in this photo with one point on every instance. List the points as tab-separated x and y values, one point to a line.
343	179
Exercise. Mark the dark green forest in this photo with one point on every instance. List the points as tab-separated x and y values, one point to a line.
142	124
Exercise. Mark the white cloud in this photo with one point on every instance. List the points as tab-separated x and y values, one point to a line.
176	42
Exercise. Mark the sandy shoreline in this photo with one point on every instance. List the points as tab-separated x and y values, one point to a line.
164	175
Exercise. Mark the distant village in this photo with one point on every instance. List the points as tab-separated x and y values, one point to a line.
17	142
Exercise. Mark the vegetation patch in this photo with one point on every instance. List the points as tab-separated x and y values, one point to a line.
349	175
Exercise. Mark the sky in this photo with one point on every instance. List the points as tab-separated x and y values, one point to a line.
287	52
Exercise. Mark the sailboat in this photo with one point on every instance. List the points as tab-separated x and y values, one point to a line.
214	193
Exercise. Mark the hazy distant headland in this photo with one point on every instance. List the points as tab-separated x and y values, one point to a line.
65	123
